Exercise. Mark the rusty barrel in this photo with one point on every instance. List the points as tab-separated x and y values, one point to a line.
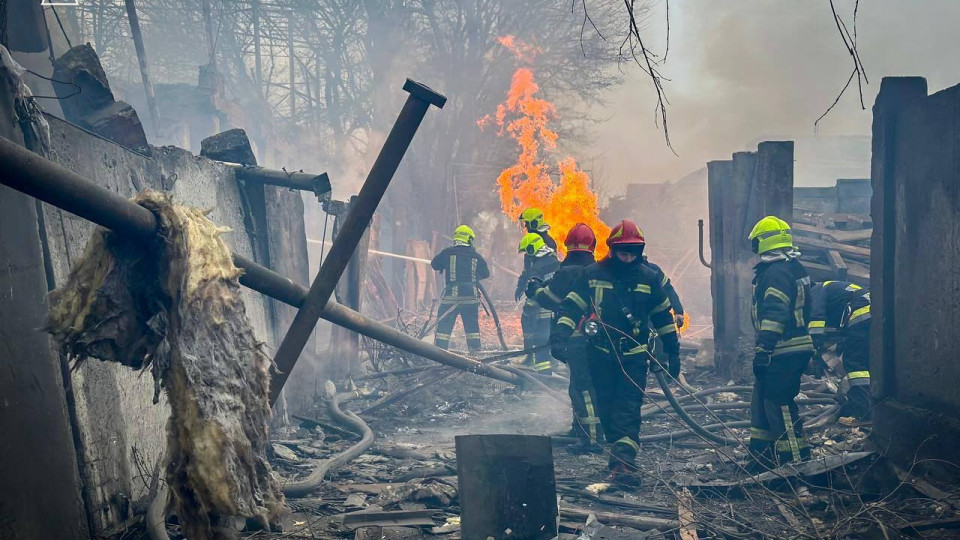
507	487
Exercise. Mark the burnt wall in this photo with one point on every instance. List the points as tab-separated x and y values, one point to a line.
741	191
916	263
41	489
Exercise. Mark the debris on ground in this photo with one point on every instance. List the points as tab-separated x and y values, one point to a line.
412	466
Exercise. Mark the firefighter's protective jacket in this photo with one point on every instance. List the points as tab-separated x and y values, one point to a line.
542	267
554	290
781	307
626	299
463	267
837	304
667	286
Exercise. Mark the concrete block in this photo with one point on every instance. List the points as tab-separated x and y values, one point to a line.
232	145
119	123
81	66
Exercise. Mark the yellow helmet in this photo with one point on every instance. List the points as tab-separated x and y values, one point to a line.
531	243
770	233
532	218
464	234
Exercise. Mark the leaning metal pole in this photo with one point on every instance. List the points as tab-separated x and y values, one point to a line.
40	178
354	225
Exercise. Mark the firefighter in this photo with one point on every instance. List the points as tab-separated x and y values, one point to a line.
781	309
539	264
463	268
580	243
613	303
841	311
533	221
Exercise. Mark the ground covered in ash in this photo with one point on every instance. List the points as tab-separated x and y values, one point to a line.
692	488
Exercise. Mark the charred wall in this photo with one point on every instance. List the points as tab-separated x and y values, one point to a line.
915	271
741	191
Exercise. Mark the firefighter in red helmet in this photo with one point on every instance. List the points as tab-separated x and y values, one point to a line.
580	243
614	303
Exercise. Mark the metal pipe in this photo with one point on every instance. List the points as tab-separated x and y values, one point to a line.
319	184
354	225
703	259
43	179
40	178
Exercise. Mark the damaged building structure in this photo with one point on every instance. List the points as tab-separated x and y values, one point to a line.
84	443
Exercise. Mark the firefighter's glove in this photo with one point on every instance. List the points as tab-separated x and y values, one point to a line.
673	366
761	362
532	286
678	320
655	365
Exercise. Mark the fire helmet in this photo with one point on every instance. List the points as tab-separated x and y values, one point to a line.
531	243
770	233
532	218
626	236
580	238
464	234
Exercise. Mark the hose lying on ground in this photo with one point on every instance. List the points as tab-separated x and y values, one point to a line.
687	419
302	488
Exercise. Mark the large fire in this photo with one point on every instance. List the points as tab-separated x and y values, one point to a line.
528	183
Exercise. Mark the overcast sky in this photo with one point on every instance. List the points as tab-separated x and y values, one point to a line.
748	70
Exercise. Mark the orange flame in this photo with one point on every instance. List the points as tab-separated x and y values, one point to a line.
527	183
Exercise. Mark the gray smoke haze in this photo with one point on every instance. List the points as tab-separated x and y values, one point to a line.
746	70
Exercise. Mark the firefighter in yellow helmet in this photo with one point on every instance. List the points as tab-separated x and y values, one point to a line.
463	268
533	221
781	309
539	264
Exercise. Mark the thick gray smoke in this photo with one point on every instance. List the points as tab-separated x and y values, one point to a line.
743	71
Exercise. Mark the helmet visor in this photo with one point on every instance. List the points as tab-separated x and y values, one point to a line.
635	249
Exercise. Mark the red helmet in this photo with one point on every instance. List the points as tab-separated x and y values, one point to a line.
580	238
626	233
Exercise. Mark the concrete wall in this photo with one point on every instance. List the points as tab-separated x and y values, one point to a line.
40	493
915	270
741	191
121	433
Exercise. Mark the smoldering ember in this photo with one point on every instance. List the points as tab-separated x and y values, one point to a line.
479	269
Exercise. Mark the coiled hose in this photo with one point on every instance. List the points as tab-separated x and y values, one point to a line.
302	488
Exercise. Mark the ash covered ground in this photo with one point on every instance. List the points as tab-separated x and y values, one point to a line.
692	488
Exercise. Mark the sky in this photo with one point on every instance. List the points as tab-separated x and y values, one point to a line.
748	70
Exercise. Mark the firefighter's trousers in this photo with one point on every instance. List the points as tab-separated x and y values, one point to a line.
535	322
620	379
776	429
583	397
854	345
447	315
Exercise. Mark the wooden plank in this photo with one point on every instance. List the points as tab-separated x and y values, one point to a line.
688	528
855	251
846	237
837	263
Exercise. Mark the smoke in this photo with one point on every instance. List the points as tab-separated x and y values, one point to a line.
744	71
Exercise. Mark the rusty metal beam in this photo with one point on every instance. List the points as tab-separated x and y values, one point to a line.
319	184
42	179
356	222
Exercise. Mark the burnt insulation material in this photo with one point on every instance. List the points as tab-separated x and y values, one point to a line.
173	306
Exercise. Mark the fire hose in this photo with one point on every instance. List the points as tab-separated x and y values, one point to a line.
493	314
302	488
